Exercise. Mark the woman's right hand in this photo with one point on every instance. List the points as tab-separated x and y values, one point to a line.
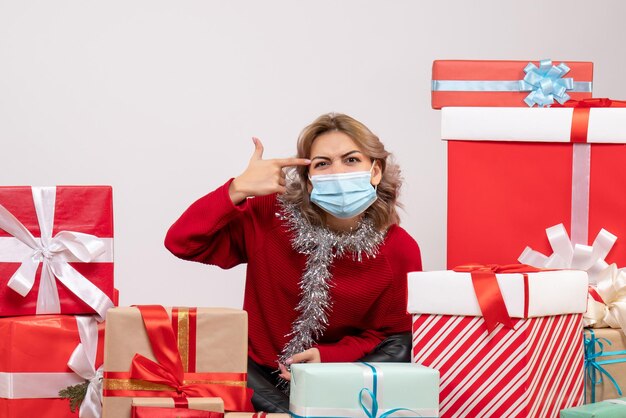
262	177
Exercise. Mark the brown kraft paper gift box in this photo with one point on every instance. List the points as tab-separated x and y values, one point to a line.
201	404
605	389
220	347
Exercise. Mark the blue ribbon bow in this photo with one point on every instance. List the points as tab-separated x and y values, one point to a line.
546	83
592	366
373	412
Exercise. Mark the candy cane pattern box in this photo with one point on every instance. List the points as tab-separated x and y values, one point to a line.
532	370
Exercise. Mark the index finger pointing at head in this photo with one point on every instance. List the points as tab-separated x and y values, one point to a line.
287	162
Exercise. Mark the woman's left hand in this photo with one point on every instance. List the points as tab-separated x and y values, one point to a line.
312	355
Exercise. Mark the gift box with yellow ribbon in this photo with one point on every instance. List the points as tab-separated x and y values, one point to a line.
151	351
505	339
50	366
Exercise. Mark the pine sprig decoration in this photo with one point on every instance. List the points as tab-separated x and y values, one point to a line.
76	394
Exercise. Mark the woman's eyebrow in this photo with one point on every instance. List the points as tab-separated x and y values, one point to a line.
350	153
321	157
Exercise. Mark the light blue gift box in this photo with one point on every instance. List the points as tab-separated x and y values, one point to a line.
375	390
611	408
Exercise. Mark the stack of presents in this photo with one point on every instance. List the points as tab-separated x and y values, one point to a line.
528	321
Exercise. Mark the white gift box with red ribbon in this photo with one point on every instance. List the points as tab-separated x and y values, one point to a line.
534	368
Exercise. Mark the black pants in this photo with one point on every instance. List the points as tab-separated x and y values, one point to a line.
268	398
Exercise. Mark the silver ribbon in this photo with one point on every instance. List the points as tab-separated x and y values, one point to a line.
54	253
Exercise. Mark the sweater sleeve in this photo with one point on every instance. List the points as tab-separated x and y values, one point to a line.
405	257
210	231
350	348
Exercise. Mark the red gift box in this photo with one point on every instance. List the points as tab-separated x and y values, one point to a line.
499	83
34	366
155	412
513	172
56	250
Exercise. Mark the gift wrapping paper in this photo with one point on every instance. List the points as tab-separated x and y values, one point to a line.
34	357
613	408
200	404
514	172
156	412
533	367
542	293
56	250
363	389
534	370
211	345
605	364
255	415
501	83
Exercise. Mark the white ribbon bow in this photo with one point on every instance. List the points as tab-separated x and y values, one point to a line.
54	253
611	310
574	257
608	282
47	385
82	362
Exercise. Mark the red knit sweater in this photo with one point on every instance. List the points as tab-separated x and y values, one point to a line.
369	297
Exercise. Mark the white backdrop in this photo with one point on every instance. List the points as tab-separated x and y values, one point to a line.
160	99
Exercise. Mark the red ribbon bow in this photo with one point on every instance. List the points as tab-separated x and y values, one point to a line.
488	292
580	118
168	369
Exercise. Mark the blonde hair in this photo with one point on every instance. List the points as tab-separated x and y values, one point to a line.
383	211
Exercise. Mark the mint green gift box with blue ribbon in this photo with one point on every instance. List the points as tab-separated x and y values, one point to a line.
612	408
373	390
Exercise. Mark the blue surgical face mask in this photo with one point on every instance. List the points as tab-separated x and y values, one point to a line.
343	195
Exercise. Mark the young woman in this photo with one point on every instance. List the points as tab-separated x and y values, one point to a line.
327	260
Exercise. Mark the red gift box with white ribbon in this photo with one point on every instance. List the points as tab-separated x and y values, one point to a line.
513	172
56	250
40	356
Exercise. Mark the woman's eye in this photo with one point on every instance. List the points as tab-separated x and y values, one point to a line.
353	160
320	164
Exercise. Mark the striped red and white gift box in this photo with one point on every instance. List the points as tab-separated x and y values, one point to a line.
533	370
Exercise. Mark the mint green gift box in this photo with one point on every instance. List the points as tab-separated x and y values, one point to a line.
611	408
351	389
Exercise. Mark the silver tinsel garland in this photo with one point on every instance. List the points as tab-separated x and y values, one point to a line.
320	246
